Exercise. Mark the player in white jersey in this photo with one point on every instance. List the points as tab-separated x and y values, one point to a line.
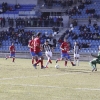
48	52
76	53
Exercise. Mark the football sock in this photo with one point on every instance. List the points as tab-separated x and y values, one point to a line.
36	59
95	65
59	59
72	63
13	59
50	61
92	65
41	63
38	62
47	64
78	62
8	57
65	63
32	61
74	60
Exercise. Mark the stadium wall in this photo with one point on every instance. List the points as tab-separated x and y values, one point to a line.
19	1
26	55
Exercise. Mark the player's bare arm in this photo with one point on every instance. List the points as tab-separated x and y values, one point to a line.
61	48
41	47
30	46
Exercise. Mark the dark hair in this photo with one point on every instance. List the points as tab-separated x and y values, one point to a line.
46	41
38	34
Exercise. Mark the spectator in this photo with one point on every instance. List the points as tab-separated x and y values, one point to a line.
64	3
54	42
89	21
74	36
0	43
55	20
17	6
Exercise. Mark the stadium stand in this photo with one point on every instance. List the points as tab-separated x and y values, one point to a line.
58	3
86	9
86	35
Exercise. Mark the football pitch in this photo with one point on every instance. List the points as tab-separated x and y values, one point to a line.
20	81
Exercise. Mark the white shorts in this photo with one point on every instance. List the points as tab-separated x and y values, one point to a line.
48	54
76	55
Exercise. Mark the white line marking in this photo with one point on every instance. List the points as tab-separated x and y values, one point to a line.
47	75
44	86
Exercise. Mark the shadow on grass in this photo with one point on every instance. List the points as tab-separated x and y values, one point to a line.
75	70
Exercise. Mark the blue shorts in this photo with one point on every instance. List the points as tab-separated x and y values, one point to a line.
65	55
32	54
12	54
38	54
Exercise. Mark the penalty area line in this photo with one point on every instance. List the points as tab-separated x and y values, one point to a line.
58	87
46	75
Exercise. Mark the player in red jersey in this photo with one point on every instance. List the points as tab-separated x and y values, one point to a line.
12	52
37	51
31	46
64	53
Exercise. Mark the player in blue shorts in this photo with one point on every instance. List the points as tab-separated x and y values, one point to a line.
31	46
37	51
12	52
64	53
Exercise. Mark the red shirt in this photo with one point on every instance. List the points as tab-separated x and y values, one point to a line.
12	49
37	45
31	43
65	46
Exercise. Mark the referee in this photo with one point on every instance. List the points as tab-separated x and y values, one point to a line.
48	52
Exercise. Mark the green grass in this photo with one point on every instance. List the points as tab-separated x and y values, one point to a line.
20	81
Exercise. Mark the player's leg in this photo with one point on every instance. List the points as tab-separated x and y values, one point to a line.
48	55
32	54
66	60
93	65
32	60
98	62
63	55
13	59
77	58
42	58
68	57
13	56
39	60
36	58
78	61
9	56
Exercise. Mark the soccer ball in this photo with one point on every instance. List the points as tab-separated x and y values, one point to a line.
56	66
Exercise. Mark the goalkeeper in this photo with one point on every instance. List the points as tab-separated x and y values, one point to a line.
95	61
